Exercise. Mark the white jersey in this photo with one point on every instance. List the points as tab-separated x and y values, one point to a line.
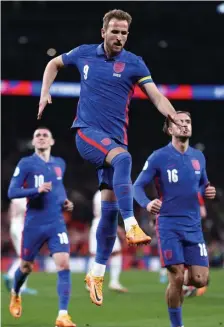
95	222
17	211
17	216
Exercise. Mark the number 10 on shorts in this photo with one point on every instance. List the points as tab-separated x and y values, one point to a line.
203	251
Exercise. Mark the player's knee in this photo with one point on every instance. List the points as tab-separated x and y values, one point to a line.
62	264
179	279
123	158
176	275
200	280
26	267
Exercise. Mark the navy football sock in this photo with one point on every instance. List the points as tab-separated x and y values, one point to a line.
175	316
64	288
122	184
19	279
106	231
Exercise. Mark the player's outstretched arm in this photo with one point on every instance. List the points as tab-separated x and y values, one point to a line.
159	100
145	177
50	74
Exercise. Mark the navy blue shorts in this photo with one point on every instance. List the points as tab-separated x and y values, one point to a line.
93	146
182	247
55	235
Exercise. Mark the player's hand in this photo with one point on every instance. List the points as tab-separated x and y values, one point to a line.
154	206
172	118
45	187
210	192
44	100
68	205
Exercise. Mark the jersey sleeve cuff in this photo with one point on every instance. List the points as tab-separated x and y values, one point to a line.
64	59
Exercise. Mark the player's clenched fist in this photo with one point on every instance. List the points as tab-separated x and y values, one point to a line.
154	206
45	187
210	192
68	205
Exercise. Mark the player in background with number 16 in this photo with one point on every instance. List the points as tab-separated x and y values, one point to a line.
180	175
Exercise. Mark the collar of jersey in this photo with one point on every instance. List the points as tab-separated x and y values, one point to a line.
100	52
50	161
186	153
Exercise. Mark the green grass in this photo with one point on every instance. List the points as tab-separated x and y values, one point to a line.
143	306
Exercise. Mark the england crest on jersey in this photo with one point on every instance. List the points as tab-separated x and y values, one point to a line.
119	67
196	166
58	172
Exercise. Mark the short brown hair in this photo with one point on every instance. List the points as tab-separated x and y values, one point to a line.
167	122
118	14
43	127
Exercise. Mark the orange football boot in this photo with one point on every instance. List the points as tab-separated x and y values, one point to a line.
136	236
201	291
15	306
64	321
95	285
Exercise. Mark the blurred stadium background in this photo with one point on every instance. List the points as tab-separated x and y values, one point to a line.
182	44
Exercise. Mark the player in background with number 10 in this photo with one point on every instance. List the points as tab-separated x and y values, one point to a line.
180	175
39	178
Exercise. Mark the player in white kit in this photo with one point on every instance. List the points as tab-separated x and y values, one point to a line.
116	256
17	211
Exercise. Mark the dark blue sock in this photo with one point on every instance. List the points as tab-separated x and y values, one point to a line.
122	184
19	279
64	288
175	316
106	231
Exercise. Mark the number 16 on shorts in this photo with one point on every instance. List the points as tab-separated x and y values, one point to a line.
63	238
203	250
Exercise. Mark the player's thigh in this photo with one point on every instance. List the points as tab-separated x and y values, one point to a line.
32	240
117	245
16	236
195	251
170	247
94	145
58	240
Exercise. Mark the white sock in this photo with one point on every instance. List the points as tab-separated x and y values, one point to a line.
90	263
129	222
15	265
98	270
115	268
62	312
13	292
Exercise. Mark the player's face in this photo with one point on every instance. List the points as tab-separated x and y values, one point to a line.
183	132
115	36
42	139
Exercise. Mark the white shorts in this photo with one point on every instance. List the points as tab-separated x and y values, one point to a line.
92	238
15	231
